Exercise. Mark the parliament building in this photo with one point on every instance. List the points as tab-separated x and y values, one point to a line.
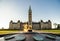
34	25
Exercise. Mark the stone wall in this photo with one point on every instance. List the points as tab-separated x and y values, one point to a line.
35	25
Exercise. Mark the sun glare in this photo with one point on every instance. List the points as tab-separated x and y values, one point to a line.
25	28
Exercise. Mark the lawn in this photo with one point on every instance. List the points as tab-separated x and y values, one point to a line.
8	31
17	31
51	31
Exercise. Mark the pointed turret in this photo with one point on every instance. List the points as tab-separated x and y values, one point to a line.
30	11
29	18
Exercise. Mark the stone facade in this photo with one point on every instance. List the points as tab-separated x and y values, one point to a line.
34	25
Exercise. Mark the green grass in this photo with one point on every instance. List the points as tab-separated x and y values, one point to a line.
43	31
51	31
8	31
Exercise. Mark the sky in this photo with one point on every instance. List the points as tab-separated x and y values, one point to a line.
18	10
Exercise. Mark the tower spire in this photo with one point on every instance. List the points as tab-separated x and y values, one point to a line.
30	9
30	18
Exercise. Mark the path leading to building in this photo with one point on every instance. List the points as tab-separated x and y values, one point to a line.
29	37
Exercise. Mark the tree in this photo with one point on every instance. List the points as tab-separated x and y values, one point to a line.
2	27
55	24
58	27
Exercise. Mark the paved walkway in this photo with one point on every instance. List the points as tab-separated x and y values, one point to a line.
29	37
